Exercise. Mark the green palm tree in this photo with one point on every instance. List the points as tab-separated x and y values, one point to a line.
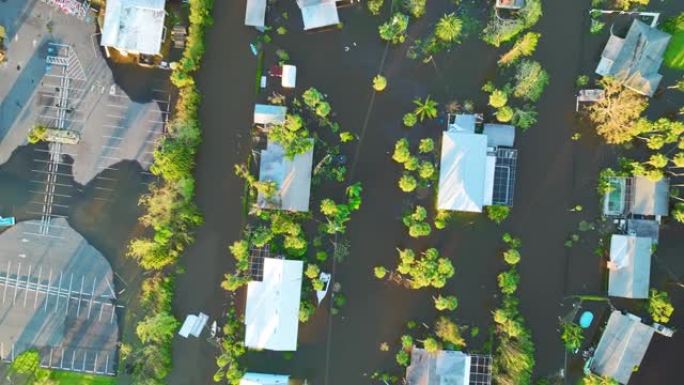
425	108
448	28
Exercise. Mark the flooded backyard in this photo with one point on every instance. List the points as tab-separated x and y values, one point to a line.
555	174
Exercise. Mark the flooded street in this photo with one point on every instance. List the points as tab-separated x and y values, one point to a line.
555	173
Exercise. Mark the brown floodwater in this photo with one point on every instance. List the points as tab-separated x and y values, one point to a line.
554	174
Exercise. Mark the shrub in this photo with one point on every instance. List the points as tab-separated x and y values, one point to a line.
500	30
504	114
374	6
659	306
449	332
446	303
498	99
403	358
415	8
407	183
508	281
431	345
426	146
512	256
530	80
498	213
426	170
571	334
401	151
429	270
410	119
380	272
379	83
394	31
524	118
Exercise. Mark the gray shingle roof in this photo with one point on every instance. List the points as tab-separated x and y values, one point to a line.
636	59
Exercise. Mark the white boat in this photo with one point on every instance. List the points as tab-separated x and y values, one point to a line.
320	294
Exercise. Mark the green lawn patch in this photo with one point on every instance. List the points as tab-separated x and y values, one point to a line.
674	55
72	378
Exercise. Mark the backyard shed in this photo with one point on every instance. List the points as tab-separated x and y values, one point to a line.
269	114
272	312
291	176
635	59
318	13
462	172
499	135
134	26
650	198
251	378
622	347
289	76
629	266
446	367
255	14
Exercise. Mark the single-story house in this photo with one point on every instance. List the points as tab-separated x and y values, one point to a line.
637	196
629	266
255	14
289	76
272	313
476	170
266	114
134	26
622	347
448	368
635	59
318	13
291	176
251	378
510	4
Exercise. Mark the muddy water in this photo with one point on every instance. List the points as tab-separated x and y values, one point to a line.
555	174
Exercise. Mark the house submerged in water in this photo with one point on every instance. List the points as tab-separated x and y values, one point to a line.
476	169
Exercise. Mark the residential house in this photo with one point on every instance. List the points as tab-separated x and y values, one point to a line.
272	311
318	13
510	4
635	59
251	378
476	170
292	178
446	367
622	347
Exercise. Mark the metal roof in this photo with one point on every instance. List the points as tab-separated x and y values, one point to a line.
462	172
622	347
134	25
630	257
272	312
255	13
269	114
318	13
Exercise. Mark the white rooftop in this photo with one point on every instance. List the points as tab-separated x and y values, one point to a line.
135	26
630	258
251	378
269	114
255	13
463	172
272	314
318	13
292	178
